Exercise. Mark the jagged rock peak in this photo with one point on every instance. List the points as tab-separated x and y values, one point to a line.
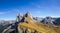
28	14
21	15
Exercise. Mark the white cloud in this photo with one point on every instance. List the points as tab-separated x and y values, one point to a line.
3	12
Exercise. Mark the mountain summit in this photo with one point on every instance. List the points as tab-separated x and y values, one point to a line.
28	14
21	17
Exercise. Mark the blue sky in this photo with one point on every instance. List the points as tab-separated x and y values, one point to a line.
40	8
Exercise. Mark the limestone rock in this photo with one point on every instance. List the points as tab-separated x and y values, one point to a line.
28	14
47	20
19	17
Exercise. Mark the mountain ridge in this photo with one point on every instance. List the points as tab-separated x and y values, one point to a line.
27	24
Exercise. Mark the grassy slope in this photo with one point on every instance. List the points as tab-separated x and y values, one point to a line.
40	28
43	28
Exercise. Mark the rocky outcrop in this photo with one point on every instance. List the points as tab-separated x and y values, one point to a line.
28	14
19	17
57	21
47	20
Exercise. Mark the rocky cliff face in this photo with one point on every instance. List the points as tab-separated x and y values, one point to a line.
57	21
47	20
28	14
19	17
